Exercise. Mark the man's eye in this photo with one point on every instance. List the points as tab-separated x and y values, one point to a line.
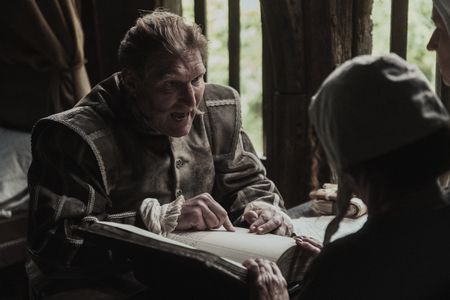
169	85
197	80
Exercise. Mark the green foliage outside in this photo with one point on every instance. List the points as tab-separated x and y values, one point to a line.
251	58
420	28
251	72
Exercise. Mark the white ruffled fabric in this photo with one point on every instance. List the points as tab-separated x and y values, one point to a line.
161	219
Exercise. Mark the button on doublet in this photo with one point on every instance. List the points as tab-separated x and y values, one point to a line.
179	163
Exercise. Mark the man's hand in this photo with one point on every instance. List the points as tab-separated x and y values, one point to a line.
268	219
265	280
202	212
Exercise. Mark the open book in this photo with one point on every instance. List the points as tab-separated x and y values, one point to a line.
315	226
215	251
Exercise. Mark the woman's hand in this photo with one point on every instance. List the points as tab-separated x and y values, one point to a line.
265	218
310	244
265	280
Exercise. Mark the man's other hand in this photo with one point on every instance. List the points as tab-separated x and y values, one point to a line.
202	212
269	220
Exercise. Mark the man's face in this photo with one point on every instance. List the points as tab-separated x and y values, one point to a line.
169	99
440	42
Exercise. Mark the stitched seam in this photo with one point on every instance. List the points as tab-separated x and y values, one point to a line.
86	138
90	219
91	200
209	130
276	200
221	102
98	134
74	241
237	124
60	205
121	215
254	158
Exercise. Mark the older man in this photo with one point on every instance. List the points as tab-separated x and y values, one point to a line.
151	140
393	167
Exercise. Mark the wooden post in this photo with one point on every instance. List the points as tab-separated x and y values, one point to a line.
234	44
317	36
104	24
201	19
362	27
172	5
268	92
399	27
200	14
287	152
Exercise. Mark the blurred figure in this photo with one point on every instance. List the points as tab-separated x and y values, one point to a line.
387	136
440	42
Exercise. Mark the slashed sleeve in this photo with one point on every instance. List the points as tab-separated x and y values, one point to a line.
240	177
65	185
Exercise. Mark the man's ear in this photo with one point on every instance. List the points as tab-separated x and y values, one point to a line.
130	81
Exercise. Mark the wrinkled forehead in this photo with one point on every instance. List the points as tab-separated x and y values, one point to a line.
167	66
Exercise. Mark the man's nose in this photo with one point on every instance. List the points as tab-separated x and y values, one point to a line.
188	95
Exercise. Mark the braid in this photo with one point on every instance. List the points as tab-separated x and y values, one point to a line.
344	195
315	183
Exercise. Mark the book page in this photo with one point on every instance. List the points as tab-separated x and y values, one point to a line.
315	226
235	247
238	246
144	232
149	234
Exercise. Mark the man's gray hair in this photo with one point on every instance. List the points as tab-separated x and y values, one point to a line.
156	37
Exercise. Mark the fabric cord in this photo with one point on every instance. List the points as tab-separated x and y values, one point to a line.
161	219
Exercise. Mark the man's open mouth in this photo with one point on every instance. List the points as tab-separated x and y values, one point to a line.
178	116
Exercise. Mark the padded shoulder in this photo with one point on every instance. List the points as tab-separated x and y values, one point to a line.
222	118
93	130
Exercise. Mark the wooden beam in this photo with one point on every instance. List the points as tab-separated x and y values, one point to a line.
399	27
200	14
287	149
268	92
234	43
172	5
317	36
362	27
201	19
